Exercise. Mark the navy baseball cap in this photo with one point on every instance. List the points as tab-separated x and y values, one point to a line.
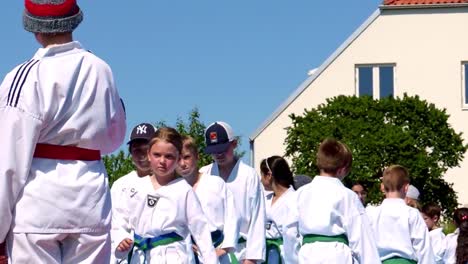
142	131
218	136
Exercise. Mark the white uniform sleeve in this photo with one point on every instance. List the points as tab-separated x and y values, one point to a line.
360	235
420	239
121	228
231	221
291	238
199	228
255	247
438	245
116	127
450	253
18	138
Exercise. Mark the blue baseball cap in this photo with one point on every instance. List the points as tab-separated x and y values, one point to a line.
218	136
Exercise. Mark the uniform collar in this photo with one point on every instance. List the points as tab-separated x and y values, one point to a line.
57	49
328	179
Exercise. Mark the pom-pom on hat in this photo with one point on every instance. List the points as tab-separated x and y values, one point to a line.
51	16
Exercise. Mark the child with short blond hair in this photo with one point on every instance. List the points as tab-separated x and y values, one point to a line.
400	232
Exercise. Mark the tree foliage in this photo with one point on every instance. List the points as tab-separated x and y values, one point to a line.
406	131
196	129
117	165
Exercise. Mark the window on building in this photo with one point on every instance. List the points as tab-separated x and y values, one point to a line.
377	81
465	85
365	81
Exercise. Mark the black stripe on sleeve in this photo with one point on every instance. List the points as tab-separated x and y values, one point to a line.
14	80
22	84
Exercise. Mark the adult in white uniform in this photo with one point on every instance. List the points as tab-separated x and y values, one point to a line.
400	232
245	185
163	209
60	111
138	149
457	242
215	198
431	215
330	217
282	242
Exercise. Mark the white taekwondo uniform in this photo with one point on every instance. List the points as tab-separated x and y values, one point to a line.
450	256
438	243
400	231
276	228
171	209
218	205
245	186
118	191
326	208
63	96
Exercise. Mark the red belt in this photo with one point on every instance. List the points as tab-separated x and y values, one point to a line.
46	151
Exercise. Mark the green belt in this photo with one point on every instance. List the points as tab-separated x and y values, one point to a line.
311	238
232	256
399	260
275	244
145	244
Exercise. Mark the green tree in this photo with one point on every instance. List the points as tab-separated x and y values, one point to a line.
196	129
117	165
406	131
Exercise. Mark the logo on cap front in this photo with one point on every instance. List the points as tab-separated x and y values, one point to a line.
141	130
213	137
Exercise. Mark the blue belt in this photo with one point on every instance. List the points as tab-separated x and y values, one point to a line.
145	244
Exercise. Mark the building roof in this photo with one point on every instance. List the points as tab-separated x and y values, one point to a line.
422	2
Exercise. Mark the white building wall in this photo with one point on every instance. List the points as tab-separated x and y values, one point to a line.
426	45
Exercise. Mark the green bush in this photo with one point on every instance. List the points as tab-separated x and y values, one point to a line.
406	131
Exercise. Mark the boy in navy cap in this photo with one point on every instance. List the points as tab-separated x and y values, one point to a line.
138	148
244	183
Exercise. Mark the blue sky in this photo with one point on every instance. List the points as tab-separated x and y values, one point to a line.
236	60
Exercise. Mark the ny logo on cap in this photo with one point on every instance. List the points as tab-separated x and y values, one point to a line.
213	137
152	200
141	129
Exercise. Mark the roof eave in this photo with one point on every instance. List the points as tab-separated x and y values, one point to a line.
424	6
314	76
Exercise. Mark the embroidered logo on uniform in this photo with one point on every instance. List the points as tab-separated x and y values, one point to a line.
152	200
268	225
132	192
214	137
141	129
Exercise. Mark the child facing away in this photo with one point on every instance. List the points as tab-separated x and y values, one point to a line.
431	215
400	232
215	198
457	242
163	209
331	217
282	243
60	111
